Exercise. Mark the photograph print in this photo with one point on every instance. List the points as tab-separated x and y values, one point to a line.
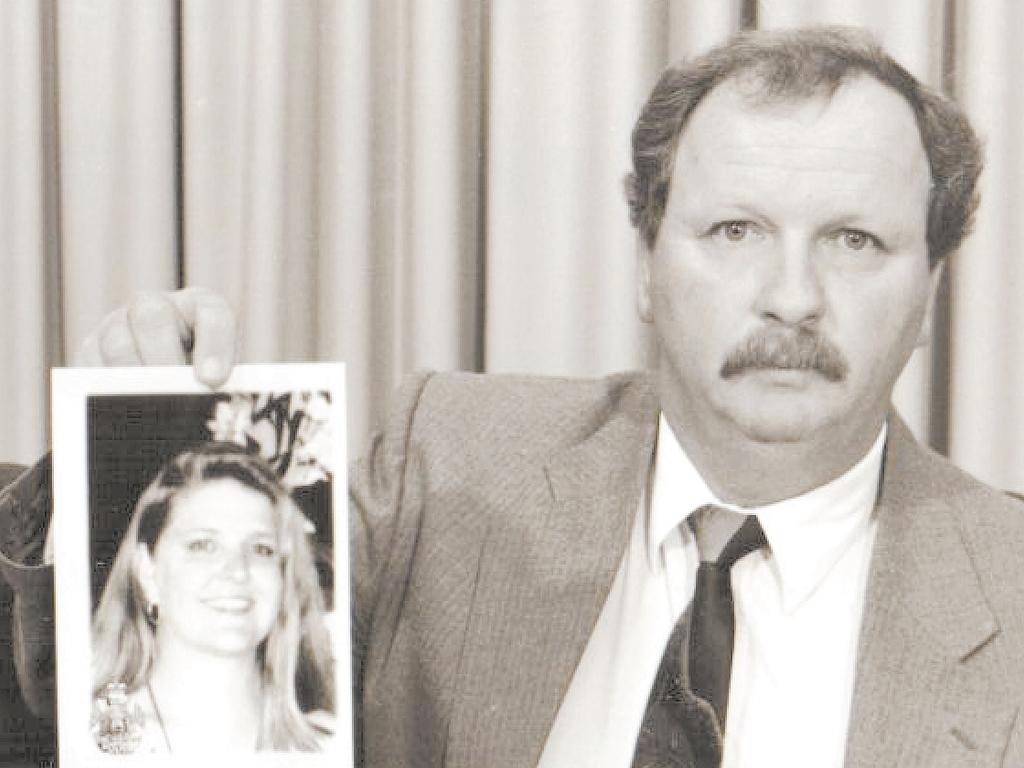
202	595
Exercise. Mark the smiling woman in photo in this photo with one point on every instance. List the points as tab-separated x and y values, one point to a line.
209	635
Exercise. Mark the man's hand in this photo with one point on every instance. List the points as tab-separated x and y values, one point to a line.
191	325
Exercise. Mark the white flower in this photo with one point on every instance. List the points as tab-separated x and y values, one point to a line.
291	431
231	420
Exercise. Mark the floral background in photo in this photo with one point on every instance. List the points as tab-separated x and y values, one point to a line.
290	430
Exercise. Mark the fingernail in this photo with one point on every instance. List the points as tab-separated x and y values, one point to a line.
211	369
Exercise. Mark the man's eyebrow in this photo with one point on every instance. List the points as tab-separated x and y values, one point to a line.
878	222
743	209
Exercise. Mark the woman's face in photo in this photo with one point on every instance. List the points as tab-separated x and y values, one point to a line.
216	570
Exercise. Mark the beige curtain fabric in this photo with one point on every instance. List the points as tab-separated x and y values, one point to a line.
987	313
116	114
427	183
29	288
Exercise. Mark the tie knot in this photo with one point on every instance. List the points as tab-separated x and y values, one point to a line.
724	536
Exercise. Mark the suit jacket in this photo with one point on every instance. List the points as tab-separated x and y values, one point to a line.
26	618
488	520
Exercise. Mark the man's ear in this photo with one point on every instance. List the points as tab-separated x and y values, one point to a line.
934	281
643	282
145	575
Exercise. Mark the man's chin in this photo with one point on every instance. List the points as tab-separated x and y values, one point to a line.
777	434
780	422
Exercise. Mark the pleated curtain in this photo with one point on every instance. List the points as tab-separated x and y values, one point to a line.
406	184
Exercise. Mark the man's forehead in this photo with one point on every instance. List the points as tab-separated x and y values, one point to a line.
863	126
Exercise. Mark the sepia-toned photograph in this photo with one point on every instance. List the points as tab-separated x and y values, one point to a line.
209	556
684	358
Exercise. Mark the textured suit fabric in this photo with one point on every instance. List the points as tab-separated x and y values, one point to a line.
26	617
488	520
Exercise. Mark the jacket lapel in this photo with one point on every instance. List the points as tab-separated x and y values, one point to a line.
916	701
544	576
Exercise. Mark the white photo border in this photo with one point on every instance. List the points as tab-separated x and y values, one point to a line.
71	390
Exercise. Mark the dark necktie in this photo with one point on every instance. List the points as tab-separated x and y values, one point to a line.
685	715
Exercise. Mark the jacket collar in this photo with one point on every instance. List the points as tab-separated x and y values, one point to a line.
546	570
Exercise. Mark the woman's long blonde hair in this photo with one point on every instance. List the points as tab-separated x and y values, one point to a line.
295	659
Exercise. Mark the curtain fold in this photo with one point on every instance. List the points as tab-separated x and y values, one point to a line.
564	89
694	27
249	166
428	183
117	154
987	277
30	331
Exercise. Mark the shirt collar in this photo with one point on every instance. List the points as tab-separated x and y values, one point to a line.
807	533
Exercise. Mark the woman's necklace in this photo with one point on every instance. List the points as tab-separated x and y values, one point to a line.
159	718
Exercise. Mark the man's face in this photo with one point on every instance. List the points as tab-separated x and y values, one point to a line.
790	279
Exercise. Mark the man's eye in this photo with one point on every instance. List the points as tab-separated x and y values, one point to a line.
201	546
857	240
734	231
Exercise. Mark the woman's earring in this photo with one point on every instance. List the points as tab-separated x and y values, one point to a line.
153	613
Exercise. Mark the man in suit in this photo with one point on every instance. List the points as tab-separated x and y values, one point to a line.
529	553
540	566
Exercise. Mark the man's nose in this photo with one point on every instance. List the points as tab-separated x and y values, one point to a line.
791	291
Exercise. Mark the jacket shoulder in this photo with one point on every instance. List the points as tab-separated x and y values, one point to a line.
535	414
982	510
991	524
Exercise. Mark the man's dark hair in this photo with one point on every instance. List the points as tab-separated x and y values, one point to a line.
792	65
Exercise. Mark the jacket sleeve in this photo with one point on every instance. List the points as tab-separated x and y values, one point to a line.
377	492
26	618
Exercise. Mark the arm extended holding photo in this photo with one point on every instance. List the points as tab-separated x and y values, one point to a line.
194	326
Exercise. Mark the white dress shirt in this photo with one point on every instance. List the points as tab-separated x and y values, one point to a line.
798	613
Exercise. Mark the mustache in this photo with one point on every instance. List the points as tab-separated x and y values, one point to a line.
801	349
